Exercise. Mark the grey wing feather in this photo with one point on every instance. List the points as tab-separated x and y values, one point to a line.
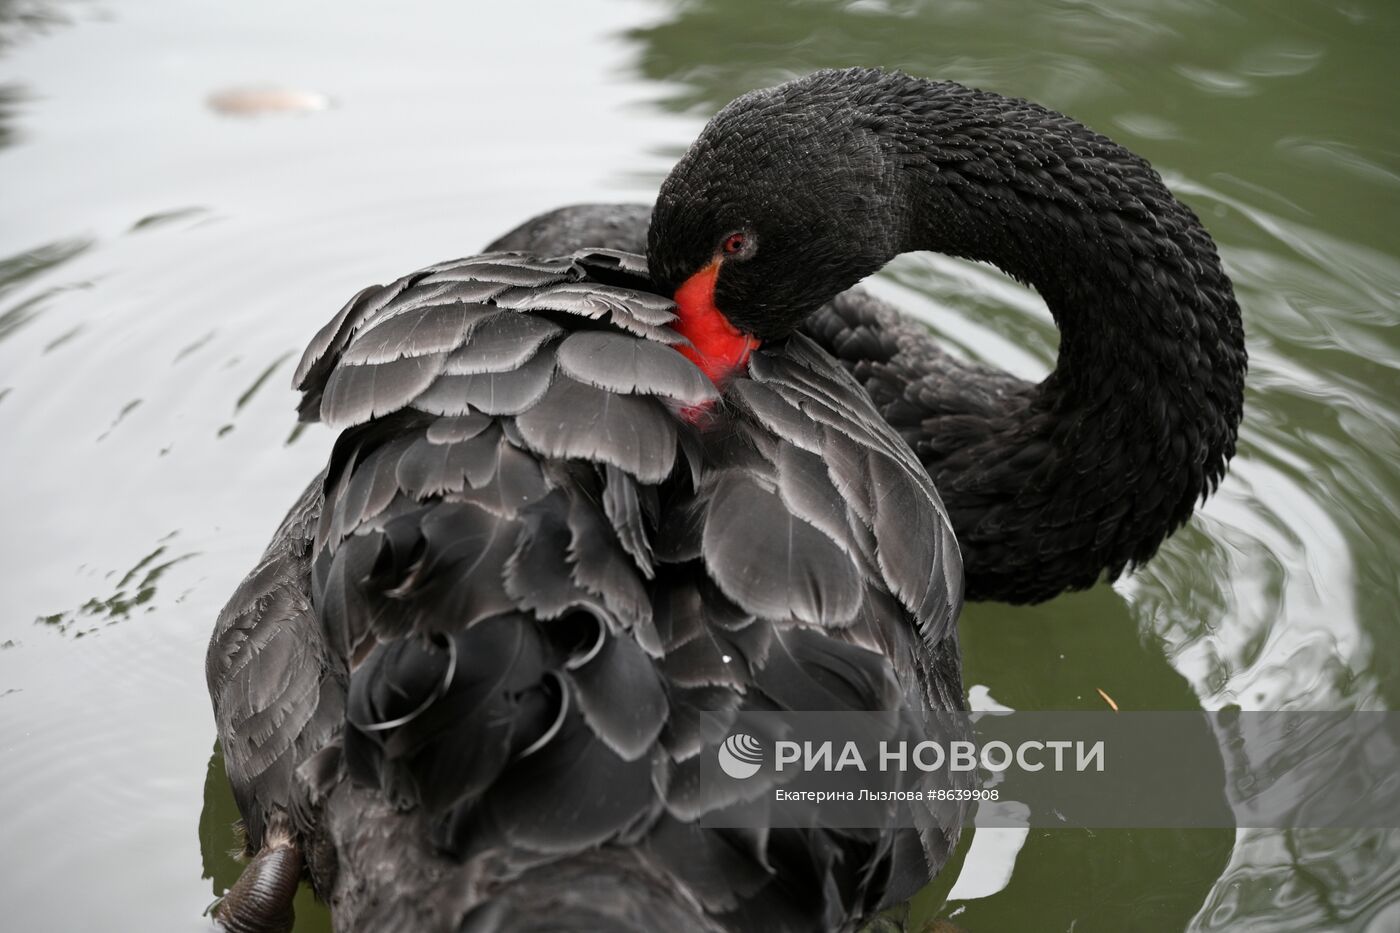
355	394
532	577
633	433
368	493
879	477
771	562
456	428
509	269
623	506
323	351
275	699
778	415
806	489
621	363
644	317
434	328
502	342
603	568
621	697
506	393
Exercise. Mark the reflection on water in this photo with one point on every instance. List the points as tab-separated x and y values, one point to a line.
165	263
11	96
22	18
134	592
31	265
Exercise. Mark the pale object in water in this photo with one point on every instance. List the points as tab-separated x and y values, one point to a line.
256	101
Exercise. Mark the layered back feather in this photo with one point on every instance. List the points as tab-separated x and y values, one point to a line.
552	565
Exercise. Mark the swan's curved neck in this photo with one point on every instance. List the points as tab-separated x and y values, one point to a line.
1109	454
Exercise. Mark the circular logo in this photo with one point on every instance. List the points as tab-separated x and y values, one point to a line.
740	756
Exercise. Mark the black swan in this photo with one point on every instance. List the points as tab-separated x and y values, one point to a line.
464	687
1050	486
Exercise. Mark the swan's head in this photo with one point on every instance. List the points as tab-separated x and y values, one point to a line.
785	200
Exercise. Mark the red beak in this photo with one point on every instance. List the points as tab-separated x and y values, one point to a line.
716	346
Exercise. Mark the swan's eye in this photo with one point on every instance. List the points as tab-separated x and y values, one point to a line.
736	244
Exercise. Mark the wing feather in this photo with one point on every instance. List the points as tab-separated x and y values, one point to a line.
355	394
634	433
505	393
624	364
772	563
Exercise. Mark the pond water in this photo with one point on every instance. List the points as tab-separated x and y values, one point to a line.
165	254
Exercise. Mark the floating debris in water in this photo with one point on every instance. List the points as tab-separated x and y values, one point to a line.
135	590
21	269
256	101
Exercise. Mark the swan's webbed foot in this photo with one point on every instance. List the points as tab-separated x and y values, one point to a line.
260	901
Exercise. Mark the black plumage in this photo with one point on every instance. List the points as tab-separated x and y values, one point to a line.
1050	486
549	562
514	656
